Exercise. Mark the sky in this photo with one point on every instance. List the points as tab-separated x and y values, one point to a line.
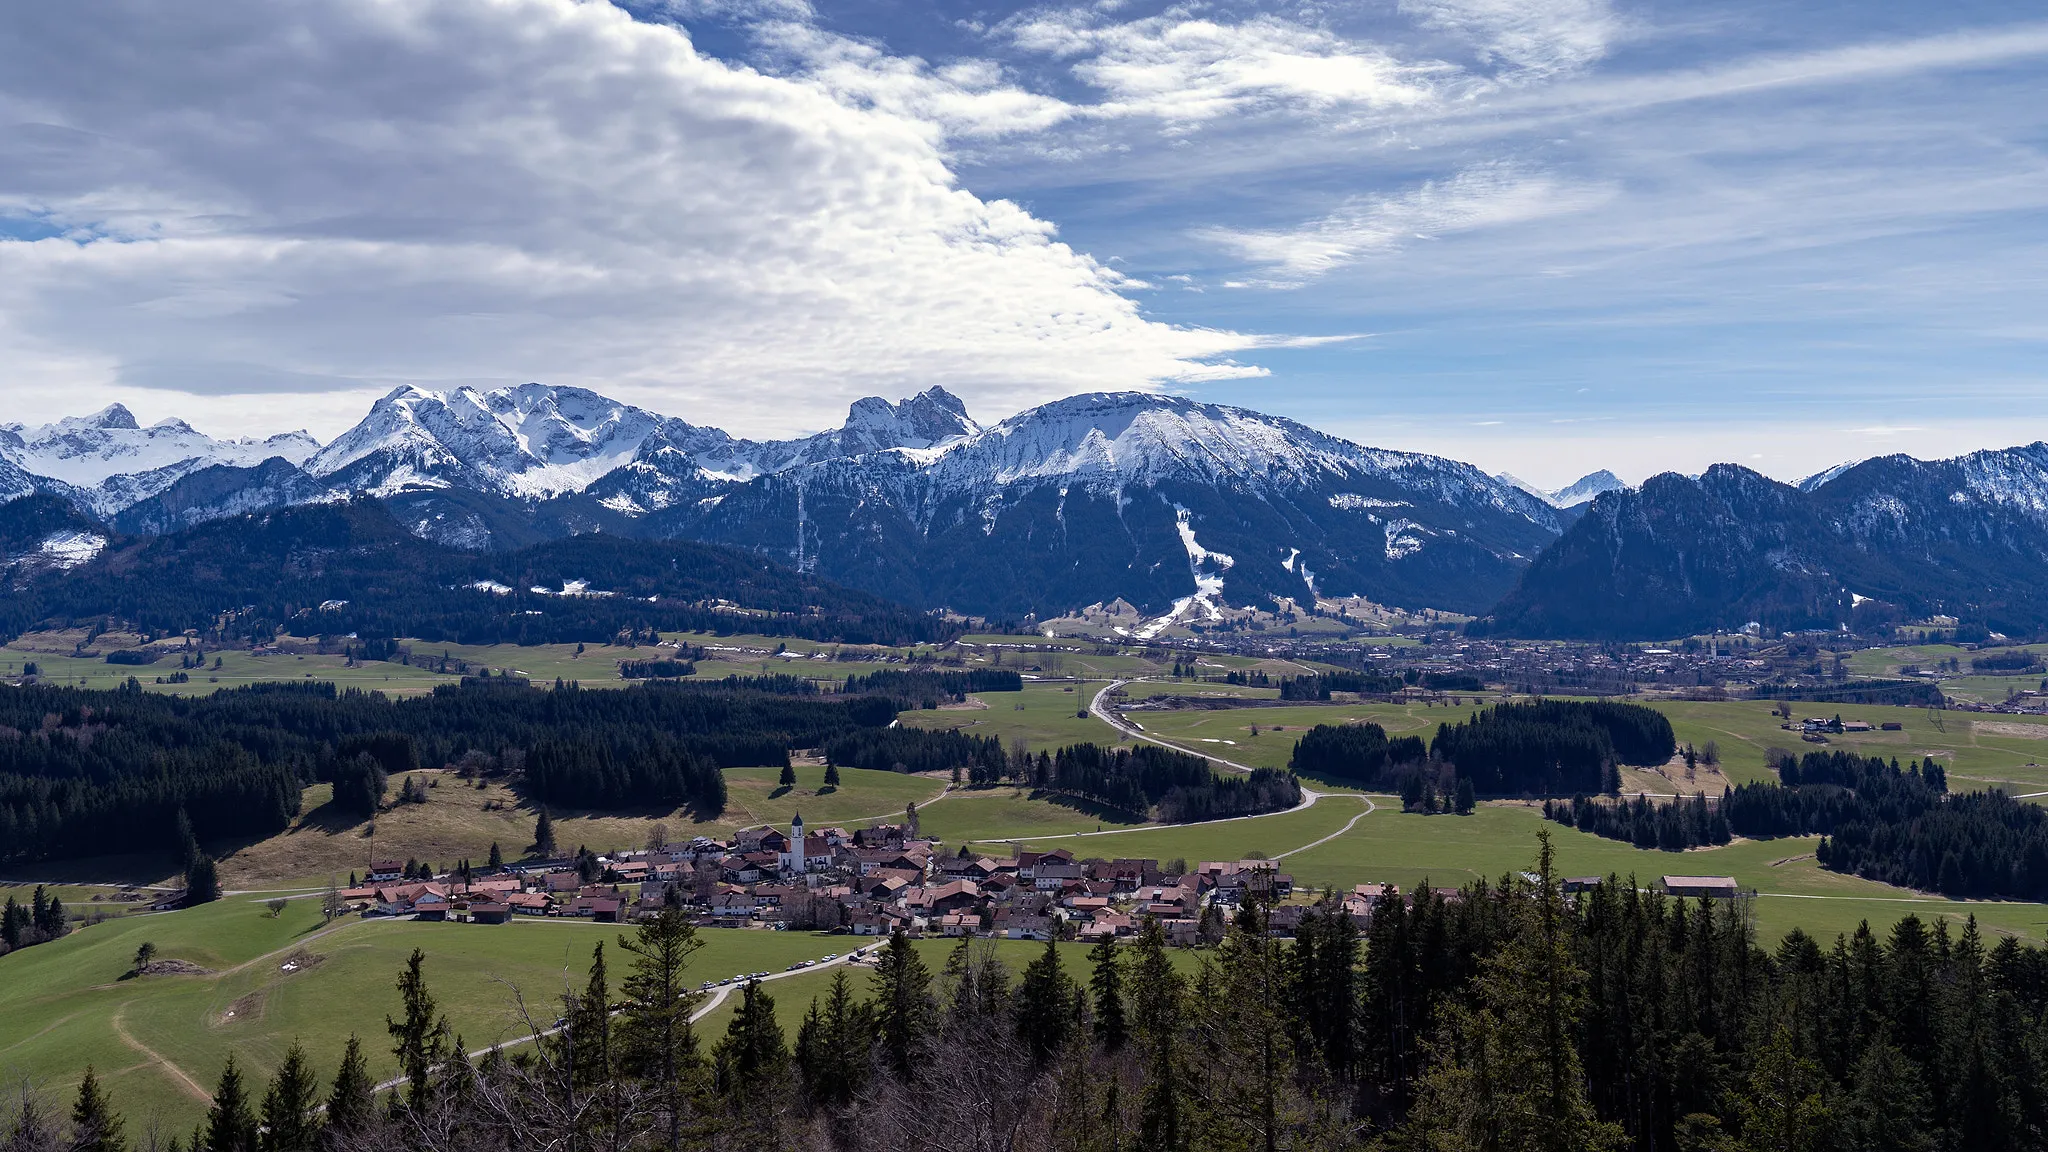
1544	236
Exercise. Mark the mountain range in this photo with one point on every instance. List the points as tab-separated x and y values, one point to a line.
1885	540
1176	506
1171	504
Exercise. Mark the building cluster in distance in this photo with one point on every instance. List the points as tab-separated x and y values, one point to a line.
880	880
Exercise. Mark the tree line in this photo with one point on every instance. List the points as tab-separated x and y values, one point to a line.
1359	754
981	758
1554	747
1540	747
1498	1017
1876	820
926	688
83	769
1149	780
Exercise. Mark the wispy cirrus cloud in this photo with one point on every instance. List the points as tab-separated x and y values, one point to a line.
1483	196
1525	39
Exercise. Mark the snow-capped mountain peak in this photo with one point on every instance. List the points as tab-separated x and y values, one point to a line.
926	420
1580	491
533	440
1585	488
110	445
114	416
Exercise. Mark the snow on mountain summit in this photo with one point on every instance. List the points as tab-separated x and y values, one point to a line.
87	451
1580	491
533	440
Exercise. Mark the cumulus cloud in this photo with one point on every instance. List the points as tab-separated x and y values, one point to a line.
1484	196
370	191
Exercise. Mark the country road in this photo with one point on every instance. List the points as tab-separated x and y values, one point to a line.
717	996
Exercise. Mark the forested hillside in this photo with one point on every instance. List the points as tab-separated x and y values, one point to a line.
353	568
1892	538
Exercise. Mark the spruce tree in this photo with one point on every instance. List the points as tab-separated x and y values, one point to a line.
1156	1022
655	1041
497	857
753	1053
420	1041
831	775
1513	1078
95	1126
544	835
230	1124
1044	1011
1107	983
832	1046
906	1016
188	845
788	778
202	881
288	1117
351	1102
588	1038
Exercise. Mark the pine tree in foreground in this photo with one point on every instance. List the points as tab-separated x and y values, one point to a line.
289	1121
95	1126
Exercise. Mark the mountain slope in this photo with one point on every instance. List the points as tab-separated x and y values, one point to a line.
1168	503
356	568
1893	536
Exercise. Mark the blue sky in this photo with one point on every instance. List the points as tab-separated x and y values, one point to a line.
1542	235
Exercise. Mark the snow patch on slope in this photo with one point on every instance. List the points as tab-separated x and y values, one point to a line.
70	549
1207	567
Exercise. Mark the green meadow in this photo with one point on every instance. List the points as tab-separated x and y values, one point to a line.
159	1041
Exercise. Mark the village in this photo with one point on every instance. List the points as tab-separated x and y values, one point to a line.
884	879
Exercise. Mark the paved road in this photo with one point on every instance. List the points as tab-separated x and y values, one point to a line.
1309	796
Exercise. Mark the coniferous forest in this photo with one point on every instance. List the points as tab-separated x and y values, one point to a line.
81	769
1877	820
1539	747
354	569
1500	1016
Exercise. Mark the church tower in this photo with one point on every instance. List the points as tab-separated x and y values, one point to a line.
796	843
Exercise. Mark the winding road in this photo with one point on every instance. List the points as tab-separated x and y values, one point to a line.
1309	796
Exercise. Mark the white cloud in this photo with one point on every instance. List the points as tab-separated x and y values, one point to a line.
365	191
1525	39
969	98
1485	196
1184	68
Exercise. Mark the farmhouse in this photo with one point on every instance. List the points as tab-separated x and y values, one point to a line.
1723	887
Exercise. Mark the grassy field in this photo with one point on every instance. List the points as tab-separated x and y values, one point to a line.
238	670
66	1004
1045	716
1228	732
1004	813
1267	835
1450	851
1978	750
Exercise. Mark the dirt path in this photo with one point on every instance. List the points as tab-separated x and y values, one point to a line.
178	1076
